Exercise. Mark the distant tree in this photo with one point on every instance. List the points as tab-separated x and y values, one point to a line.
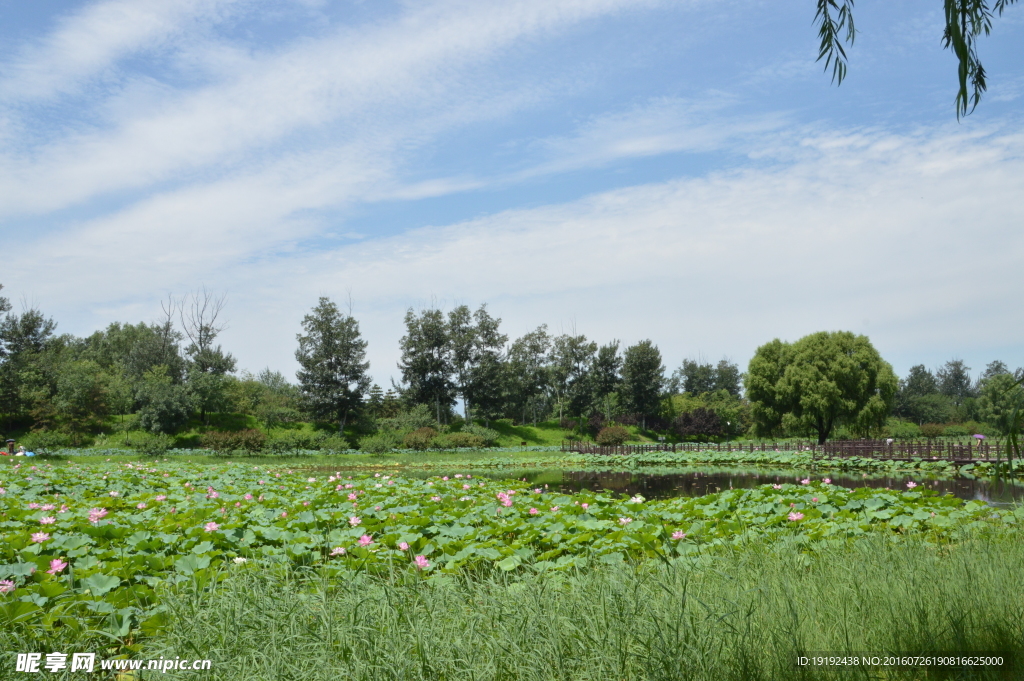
208	363
1000	393
571	361
954	380
426	363
165	406
477	358
822	381
701	423
994	368
332	360
696	377
727	377
81	399
24	340
526	373
642	378
606	377
918	397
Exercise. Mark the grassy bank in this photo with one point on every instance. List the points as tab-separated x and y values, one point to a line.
744	615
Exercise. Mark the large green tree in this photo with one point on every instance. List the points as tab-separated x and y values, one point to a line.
642	379
426	363
526	374
569	379
332	359
823	380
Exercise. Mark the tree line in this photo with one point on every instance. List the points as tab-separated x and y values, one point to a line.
171	374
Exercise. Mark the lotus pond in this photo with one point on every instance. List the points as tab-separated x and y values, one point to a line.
91	546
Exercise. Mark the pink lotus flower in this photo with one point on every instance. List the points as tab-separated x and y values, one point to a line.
805	481
56	565
47	507
421	562
911	485
160	497
538	490
48	520
338	551
445	477
348	485
305	503
33	506
678	534
465	487
534	511
311	480
3	491
435	498
140	505
365	540
584	506
354	520
284	514
827	481
352	497
796	515
404	546
554	508
6	586
776	486
814	500
458	476
211	526
40	537
248	497
625	521
114	494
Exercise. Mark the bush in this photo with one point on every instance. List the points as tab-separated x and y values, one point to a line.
932	430
152	444
612	436
488	436
381	443
335	443
901	430
420	416
701	423
975	428
957	430
419	438
45	441
457	441
567	424
289	441
249	441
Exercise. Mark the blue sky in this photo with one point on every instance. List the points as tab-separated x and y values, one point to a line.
680	171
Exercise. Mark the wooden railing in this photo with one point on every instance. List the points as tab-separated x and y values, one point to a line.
876	449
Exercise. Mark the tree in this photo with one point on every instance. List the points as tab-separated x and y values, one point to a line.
1000	394
606	377
426	363
965	20
727	377
24	339
208	364
918	398
526	373
642	378
477	355
701	422
571	360
954	379
822	381
332	357
164	405
80	401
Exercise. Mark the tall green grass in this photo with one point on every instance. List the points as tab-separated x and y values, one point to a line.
742	616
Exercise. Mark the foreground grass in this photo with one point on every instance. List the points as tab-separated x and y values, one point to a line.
744	615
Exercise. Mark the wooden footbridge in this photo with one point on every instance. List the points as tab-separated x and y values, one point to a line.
959	453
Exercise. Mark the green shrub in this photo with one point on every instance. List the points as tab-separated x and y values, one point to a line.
612	436
45	441
488	435
975	428
457	441
381	443
932	430
250	441
151	444
901	430
335	443
419	438
420	416
291	441
956	430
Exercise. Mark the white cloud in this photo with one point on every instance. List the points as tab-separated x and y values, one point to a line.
907	238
